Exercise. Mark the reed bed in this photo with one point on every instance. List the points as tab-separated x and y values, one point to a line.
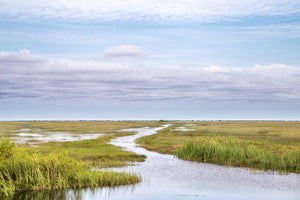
237	152
23	170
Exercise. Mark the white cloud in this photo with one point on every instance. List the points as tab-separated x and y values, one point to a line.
125	51
146	10
69	79
23	57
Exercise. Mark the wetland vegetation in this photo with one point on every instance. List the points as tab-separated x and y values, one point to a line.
237	152
267	145
22	170
53	165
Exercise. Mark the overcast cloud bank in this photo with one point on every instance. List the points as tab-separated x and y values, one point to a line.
24	75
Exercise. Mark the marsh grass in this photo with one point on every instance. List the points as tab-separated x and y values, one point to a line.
11	127
57	165
277	139
239	153
23	170
96	152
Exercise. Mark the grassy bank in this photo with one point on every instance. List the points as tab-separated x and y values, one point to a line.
278	143
22	170
54	165
239	153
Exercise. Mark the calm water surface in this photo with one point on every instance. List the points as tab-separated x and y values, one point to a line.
166	177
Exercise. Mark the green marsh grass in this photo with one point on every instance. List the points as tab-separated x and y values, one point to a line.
23	170
56	165
236	152
279	139
96	152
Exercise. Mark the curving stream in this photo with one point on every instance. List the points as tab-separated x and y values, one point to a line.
166	177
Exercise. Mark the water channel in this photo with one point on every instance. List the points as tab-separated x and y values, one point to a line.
166	177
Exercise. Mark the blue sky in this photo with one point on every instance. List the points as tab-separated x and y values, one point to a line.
152	60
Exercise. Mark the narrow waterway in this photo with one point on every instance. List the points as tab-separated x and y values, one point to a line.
166	177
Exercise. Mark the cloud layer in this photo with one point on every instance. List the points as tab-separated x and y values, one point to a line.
24	75
125	51
148	10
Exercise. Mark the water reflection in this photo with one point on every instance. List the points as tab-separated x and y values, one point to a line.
37	136
75	194
51	195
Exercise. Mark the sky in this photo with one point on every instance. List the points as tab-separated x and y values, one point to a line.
150	60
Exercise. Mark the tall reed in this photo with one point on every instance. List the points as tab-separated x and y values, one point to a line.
21	170
239	153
